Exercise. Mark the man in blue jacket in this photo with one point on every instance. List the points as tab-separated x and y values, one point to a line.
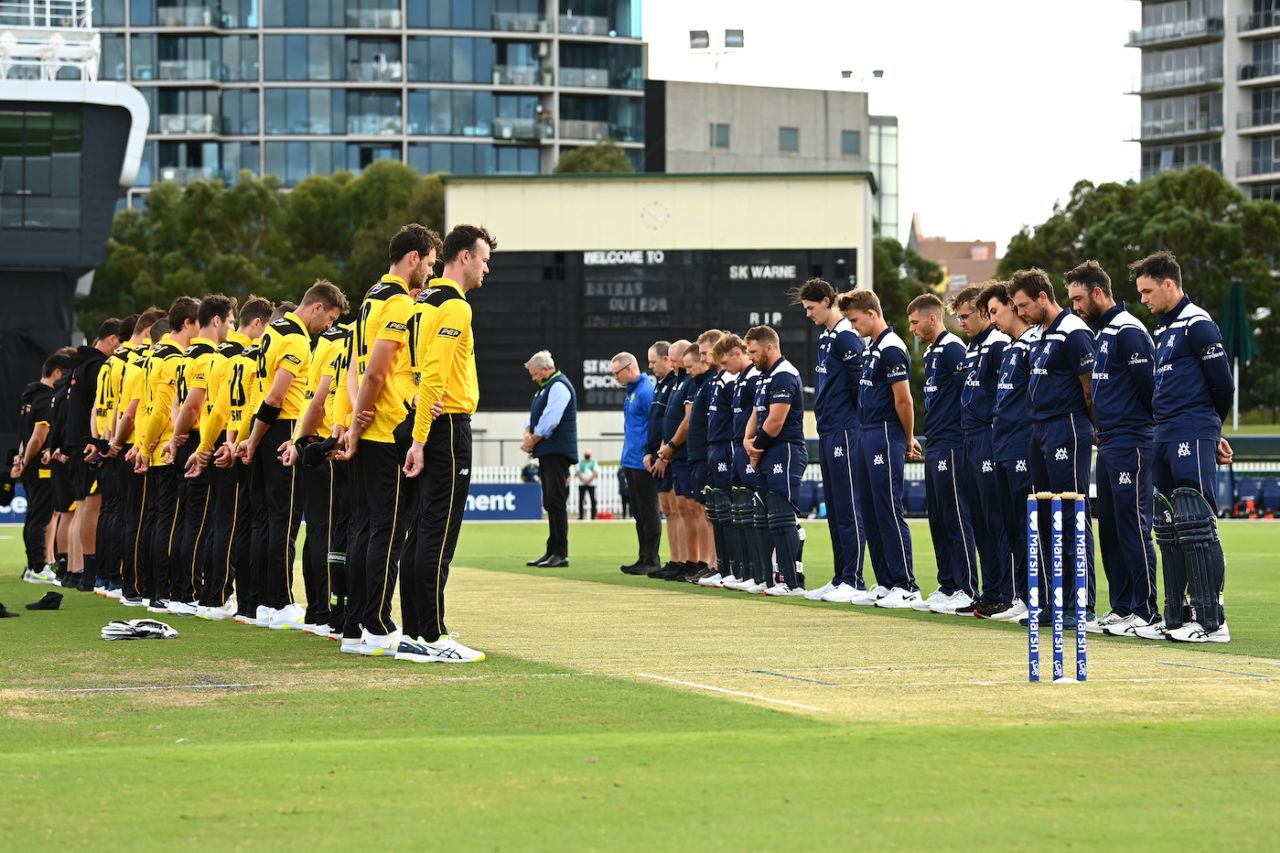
552	437
1123	382
640	484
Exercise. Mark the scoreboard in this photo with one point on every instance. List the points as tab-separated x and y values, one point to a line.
585	307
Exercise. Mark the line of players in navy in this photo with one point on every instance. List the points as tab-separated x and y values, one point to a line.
1017	409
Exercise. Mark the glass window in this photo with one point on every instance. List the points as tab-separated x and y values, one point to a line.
112	66
789	139
239	111
851	143
142	13
40	163
108	13
719	135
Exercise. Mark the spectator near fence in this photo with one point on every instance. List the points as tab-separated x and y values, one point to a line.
552	437
586	476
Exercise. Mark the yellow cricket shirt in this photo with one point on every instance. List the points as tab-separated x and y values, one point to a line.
161	390
243	390
217	398
444	353
133	387
194	373
330	351
384	316
286	345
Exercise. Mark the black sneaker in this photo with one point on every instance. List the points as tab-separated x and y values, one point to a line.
991	609
669	572
640	569
87	582
692	572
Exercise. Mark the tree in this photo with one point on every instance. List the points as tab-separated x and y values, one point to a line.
1216	232
603	158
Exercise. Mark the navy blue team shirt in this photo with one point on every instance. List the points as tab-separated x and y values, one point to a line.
720	408
674	414
981	373
886	363
1010	438
697	396
943	363
1193	380
1123	380
1064	353
744	400
781	384
839	367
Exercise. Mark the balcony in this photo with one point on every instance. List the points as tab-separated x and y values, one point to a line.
522	128
1170	128
1190	30
186	123
380	70
1253	121
592	78
578	129
184	69
522	75
1256	73
187	174
1179	78
187	16
374	125
1258	169
1152	171
1258	23
374	19
520	22
584	25
46	14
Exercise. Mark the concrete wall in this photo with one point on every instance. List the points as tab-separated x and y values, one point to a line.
754	114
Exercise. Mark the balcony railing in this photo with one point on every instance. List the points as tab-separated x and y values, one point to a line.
1176	31
374	19
578	129
1258	70
184	69
374	125
377	71
1152	171
1182	126
522	128
520	22
522	75
584	25
178	123
1159	81
595	78
1258	118
47	14
1257	167
1258	21
187	174
187	16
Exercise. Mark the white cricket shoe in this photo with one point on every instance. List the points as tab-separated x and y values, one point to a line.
898	599
754	588
781	590
182	608
1097	626
262	616
925	605
841	593
955	605
1194	632
319	629
444	650
816	594
1153	630
868	597
729	582
378	645
287	618
1015	611
1122	627
351	646
715	580
244	620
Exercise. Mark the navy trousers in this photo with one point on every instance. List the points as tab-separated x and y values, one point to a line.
1124	476
838	451
882	453
949	526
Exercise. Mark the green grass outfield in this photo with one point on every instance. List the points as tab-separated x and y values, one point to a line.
623	713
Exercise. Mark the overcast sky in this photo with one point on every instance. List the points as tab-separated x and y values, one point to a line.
1002	104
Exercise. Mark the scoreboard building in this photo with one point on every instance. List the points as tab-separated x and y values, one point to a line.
588	266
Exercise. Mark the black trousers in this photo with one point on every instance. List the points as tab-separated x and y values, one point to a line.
585	492
283	518
136	551
381	511
442	498
196	495
39	512
249	592
230	523
644	506
110	536
555	500
162	521
327	510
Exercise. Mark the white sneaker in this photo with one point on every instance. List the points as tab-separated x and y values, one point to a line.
244	620
1016	611
351	646
262	616
754	588
925	605
955	604
287	618
227	610
31	576
841	593
1154	630
1122	627
217	614
729	582
114	593
898	599
157	605
1194	632
182	608
319	629
377	645
202	612
444	650
816	594
868	597
132	602
1096	626
711	580
781	590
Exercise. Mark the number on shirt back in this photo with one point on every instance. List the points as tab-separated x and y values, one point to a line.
238	395
362	334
